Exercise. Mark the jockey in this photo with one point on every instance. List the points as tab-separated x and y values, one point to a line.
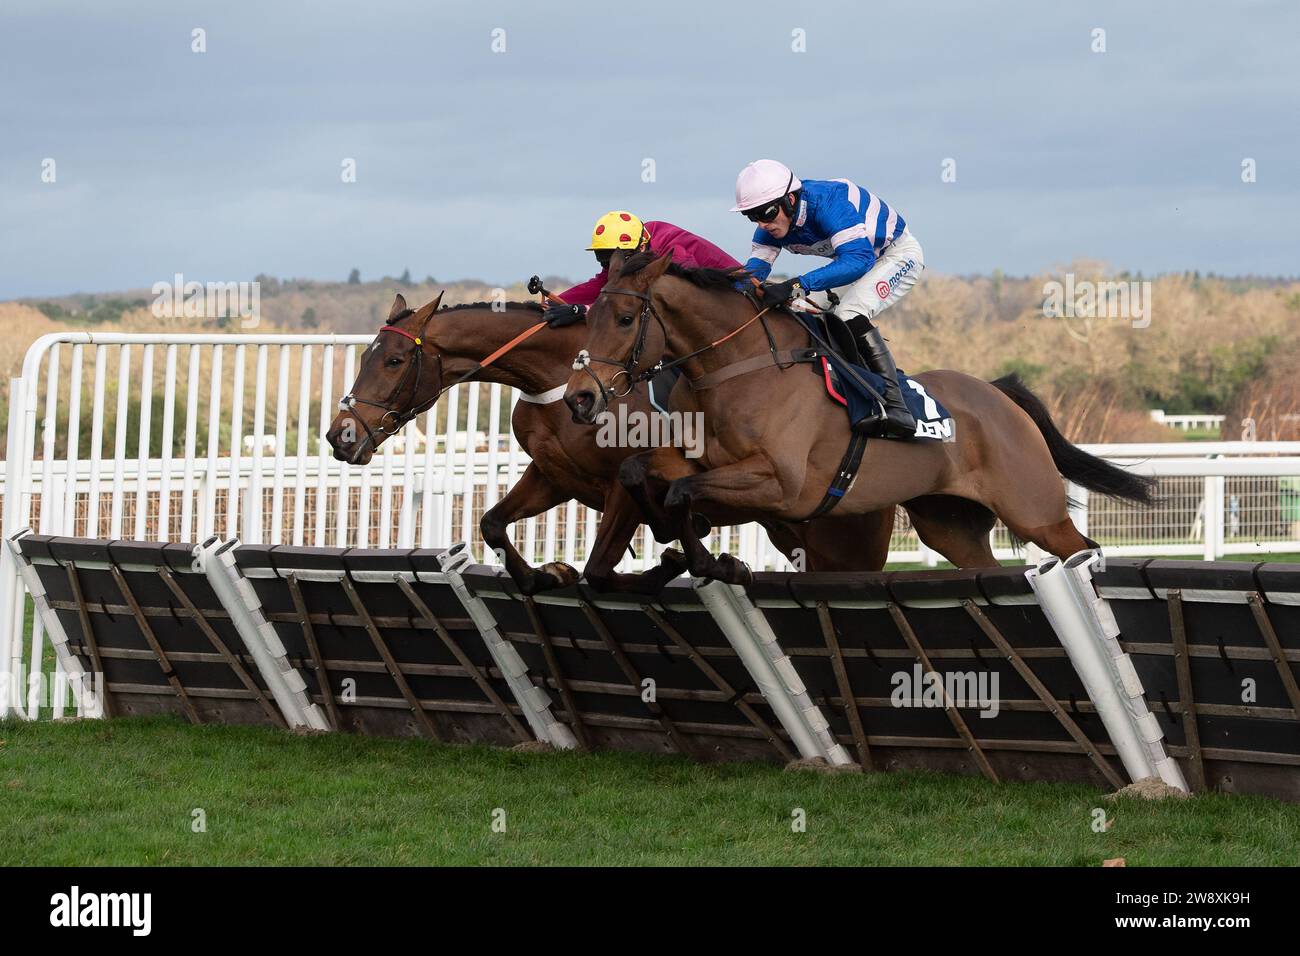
874	259
622	230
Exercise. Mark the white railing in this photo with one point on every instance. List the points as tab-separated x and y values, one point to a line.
179	437
1187	423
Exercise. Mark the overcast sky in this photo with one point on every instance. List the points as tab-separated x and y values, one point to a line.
476	164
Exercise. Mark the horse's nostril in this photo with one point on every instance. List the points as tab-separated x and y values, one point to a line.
581	403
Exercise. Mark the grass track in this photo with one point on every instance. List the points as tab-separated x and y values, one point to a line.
122	792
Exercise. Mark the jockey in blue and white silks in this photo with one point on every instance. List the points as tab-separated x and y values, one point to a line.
875	260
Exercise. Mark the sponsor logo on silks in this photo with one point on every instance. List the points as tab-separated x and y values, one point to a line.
885	289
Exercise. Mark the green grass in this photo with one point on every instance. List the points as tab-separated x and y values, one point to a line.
123	792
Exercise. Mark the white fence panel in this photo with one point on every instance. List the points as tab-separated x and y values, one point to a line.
197	449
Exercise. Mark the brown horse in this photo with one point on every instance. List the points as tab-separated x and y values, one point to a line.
773	442
400	377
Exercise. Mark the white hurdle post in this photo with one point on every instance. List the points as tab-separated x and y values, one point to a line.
748	632
534	701
1088	631
217	563
85	694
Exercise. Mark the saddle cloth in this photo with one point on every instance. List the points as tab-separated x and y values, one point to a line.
933	422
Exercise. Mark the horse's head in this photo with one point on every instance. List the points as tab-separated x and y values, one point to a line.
400	376
625	336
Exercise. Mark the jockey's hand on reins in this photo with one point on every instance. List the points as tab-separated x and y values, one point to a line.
777	293
559	315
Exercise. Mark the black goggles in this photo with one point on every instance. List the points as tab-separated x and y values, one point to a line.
764	213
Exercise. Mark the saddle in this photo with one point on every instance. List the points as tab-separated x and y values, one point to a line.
858	389
836	334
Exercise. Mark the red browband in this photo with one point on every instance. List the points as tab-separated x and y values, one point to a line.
393	328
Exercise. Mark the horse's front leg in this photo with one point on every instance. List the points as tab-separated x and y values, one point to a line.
634	475
618	523
748	485
531	495
647	477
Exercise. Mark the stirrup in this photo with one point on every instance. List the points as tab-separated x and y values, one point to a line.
883	425
900	425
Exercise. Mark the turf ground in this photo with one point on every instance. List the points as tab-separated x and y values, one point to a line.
126	792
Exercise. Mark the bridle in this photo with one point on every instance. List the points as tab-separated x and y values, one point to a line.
390	406
628	366
400	417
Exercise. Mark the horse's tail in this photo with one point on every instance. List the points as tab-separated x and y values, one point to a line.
1071	461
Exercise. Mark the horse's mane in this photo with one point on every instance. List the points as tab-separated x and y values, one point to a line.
704	278
534	306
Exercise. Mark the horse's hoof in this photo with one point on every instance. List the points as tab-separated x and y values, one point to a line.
678	496
533	583
674	559
632	473
547	578
601	583
672	564
564	575
732	571
663	533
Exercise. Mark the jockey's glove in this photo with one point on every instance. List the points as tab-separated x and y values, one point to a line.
775	293
558	314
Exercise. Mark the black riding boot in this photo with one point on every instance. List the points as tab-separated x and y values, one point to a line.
898	421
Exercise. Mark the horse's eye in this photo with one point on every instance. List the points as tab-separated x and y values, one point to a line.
395	361
625	320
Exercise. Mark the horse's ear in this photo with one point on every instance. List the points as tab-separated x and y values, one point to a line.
657	268
399	306
437	303
616	262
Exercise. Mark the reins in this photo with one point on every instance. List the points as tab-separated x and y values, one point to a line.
779	358
627	367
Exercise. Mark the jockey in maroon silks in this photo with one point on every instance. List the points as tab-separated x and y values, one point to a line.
622	230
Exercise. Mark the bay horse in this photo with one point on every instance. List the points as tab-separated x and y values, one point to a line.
420	353
774	442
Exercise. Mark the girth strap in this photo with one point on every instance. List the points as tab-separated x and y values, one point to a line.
844	476
753	364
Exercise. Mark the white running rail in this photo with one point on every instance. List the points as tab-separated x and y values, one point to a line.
184	436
